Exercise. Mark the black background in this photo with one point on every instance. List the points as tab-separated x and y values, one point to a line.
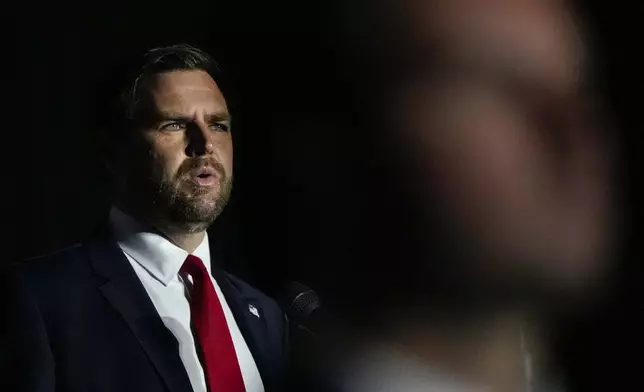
283	59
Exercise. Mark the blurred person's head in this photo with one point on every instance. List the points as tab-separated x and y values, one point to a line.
167	131
498	142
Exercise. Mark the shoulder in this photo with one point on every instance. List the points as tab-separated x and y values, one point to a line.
54	265
64	253
39	282
53	277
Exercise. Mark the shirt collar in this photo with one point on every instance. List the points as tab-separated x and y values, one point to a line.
159	256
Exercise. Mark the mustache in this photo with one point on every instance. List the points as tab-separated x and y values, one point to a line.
191	164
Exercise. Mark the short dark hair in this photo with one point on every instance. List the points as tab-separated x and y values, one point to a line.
120	95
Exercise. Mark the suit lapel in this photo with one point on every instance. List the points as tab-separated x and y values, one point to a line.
124	291
251	325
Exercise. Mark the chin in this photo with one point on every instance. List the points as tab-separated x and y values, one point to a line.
196	206
196	214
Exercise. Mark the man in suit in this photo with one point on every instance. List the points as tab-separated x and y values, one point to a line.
141	306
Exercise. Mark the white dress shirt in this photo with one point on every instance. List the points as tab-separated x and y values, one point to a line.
157	261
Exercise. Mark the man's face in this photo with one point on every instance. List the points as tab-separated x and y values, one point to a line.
179	165
505	136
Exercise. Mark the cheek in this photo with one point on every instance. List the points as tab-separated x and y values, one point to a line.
224	151
166	157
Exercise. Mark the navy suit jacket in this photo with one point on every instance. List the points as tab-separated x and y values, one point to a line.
80	320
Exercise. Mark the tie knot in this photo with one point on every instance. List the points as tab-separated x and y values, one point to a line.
193	266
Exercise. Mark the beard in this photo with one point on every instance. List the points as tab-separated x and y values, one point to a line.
179	201
192	206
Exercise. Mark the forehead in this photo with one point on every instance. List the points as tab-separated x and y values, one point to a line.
186	92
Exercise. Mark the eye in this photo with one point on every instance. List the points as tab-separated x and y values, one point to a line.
173	126
220	127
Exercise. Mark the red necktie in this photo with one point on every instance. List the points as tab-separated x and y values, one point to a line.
220	360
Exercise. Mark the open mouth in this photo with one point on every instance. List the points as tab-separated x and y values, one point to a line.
204	175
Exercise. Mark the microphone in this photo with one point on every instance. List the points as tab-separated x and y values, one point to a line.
309	340
318	340
304	308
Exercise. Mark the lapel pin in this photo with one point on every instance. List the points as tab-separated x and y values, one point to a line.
253	310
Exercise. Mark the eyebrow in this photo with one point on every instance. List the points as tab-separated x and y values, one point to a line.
210	117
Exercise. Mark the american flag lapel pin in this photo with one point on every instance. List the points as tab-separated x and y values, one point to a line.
253	310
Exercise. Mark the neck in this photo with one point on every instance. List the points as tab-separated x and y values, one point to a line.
188	241
186	238
490	350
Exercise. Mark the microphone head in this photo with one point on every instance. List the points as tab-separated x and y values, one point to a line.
303	300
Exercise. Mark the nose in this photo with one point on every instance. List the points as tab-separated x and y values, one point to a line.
198	140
